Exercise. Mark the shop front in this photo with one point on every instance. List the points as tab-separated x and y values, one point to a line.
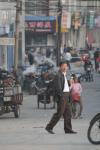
40	32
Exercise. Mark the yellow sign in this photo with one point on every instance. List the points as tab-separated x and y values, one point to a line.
65	22
7	41
63	30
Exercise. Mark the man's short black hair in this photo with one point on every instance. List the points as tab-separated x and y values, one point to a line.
63	62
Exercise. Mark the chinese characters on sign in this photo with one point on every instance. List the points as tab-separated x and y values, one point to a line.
39	26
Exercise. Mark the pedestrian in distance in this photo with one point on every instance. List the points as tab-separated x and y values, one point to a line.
67	56
98	63
65	49
96	54
61	89
30	57
48	53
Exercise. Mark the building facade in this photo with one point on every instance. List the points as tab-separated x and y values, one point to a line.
7	20
77	24
8	31
40	27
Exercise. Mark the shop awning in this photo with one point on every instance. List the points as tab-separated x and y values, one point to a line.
39	18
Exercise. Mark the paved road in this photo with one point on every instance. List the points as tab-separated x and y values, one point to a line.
28	133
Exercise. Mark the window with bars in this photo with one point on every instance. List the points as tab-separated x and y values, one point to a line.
36	7
50	7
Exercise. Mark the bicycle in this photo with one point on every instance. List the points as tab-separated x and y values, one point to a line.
93	132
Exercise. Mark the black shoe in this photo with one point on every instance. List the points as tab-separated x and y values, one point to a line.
50	131
70	132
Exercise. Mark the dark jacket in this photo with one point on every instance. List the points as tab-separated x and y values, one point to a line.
59	85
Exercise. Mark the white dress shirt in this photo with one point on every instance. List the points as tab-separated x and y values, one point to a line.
66	86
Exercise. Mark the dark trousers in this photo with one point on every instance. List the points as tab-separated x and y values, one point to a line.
63	109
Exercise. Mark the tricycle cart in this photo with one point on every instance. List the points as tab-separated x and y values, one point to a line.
11	97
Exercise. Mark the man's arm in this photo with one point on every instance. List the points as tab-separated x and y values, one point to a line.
58	86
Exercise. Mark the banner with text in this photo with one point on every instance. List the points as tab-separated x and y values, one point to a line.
40	26
65	21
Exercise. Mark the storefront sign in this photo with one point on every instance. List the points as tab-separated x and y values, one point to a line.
65	22
76	22
97	22
7	41
68	20
91	20
40	26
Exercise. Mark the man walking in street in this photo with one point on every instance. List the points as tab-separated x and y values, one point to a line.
62	94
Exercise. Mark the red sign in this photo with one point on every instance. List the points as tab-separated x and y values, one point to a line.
40	26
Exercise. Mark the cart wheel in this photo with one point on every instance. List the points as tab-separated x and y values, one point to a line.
17	111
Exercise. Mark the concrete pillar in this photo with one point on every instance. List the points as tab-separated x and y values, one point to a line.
23	37
22	30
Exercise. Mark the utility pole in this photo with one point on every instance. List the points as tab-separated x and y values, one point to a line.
16	34
58	50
